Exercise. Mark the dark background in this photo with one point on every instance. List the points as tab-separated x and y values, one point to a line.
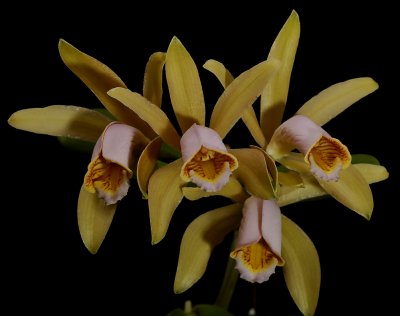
46	267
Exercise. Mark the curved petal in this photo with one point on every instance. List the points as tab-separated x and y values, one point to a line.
250	225
274	96
293	194
302	270
122	144
272	170
61	120
240	95
290	179
94	219
249	116
312	189
327	156
198	241
352	190
334	100
258	248
99	79
196	137
295	161
206	161
184	86
297	132
165	194
372	173
232	190
149	112
271	227
218	69
253	172
146	164
153	75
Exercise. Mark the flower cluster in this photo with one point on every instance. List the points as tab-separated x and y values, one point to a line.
293	161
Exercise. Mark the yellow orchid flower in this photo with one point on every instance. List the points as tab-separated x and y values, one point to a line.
301	267
258	248
112	162
205	159
327	158
263	234
320	155
118	142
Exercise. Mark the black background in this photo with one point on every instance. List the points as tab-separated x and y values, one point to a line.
46	268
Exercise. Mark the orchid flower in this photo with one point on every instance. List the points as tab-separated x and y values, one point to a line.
258	249
301	270
263	233
205	159
325	157
303	132
118	143
112	162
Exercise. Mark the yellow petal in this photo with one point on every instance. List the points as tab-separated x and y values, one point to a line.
165	194
94	219
372	173
250	119
312	189
99	78
295	161
198	241
274	96
334	100
253	172
153	75
352	190
146	164
61	120
309	189
149	112
290	178
184	86
232	190
302	269
272	170
218	69
249	116
240	95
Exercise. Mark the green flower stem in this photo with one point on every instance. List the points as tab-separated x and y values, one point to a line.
229	283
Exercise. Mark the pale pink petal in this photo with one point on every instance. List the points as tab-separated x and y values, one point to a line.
97	148
250	226
297	132
119	142
196	137
271	226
